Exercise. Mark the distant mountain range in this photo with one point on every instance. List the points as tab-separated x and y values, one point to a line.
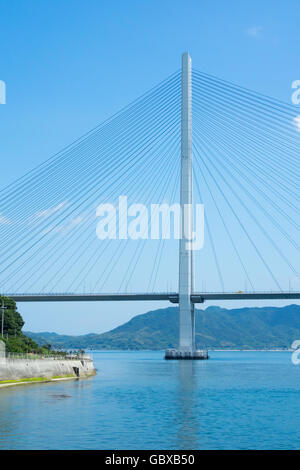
216	328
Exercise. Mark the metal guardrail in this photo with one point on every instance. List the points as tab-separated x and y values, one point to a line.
30	356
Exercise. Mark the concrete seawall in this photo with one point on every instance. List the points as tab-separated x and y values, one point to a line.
14	370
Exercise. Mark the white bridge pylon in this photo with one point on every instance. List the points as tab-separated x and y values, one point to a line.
187	345
186	283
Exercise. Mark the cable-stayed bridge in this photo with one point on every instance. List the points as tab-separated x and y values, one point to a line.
169	296
192	138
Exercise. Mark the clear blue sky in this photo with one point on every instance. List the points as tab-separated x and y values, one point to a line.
70	64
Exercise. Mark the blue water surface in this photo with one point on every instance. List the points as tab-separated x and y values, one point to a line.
137	400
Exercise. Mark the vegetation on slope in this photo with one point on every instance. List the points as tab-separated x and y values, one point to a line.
15	340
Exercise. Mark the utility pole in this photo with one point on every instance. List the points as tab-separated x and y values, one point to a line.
2	323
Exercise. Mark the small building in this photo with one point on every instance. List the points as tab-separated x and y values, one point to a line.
2	349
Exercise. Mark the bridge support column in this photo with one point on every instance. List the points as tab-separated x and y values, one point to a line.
186	308
187	346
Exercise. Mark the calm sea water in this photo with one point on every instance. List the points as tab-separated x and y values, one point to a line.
236	400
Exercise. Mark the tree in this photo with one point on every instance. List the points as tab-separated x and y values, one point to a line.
15	340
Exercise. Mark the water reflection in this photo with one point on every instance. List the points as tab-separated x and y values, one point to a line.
186	419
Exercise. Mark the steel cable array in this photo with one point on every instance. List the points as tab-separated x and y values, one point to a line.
246	173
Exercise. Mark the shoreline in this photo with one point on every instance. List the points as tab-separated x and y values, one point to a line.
40	380
163	350
252	350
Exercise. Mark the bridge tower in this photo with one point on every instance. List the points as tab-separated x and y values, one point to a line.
187	346
186	308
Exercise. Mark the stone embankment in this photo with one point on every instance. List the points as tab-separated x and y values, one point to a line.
17	369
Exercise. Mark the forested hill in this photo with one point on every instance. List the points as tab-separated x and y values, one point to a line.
15	341
244	328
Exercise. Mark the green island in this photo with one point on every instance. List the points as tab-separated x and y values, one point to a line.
216	328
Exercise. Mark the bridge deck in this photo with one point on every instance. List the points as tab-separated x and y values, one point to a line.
197	297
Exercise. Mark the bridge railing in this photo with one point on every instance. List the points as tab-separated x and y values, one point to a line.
54	357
